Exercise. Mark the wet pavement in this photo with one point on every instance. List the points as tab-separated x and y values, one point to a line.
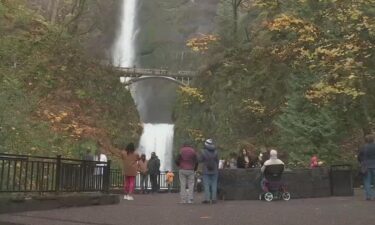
164	209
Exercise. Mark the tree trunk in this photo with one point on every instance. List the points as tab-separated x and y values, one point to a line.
55	10
235	18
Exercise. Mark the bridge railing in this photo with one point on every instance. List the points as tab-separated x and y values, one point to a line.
133	71
24	173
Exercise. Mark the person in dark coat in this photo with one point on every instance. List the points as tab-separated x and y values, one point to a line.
153	167
210	160
366	157
243	159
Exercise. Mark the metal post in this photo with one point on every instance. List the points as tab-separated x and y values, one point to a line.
83	176
58	173
106	178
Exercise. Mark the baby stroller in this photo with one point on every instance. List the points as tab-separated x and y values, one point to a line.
272	185
198	182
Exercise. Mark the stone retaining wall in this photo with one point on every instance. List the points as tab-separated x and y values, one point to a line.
19	204
244	184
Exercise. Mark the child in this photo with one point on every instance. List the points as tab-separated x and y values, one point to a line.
170	176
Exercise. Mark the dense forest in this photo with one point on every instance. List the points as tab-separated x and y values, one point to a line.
57	94
294	75
297	76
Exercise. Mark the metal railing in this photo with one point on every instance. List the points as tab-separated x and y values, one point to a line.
117	181
24	173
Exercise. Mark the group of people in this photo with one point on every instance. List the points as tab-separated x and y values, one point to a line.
188	161
243	160
134	164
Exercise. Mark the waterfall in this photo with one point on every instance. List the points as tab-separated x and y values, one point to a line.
156	137
124	48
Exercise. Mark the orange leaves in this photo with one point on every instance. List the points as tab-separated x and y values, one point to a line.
201	44
63	121
55	118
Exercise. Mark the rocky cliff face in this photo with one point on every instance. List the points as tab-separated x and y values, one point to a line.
164	26
94	22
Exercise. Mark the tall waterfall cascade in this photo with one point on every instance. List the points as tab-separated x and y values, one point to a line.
124	48
156	137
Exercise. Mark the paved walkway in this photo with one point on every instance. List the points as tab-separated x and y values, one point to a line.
162	209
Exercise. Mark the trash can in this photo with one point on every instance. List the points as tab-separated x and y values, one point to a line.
341	180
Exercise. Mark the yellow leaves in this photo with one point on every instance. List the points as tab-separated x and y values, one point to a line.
329	53
196	134
190	94
322	93
201	44
253	106
266	3
306	30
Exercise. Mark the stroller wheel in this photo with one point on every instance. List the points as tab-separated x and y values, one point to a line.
286	196
268	196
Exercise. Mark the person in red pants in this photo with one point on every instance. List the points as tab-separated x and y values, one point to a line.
130	169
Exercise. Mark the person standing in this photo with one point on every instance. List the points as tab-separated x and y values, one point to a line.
88	169
232	161
314	162
243	159
130	169
169	178
88	156
101	162
187	162
366	157
153	167
143	171
210	160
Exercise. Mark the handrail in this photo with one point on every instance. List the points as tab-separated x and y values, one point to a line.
27	173
45	157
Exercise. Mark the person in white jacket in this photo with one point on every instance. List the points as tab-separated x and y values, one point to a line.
272	161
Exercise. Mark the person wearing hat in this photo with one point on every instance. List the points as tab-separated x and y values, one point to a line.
210	160
153	167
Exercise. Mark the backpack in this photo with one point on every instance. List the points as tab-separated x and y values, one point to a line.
211	161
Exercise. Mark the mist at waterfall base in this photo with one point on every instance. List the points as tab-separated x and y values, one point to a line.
158	138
